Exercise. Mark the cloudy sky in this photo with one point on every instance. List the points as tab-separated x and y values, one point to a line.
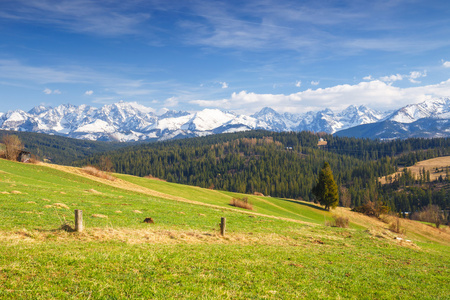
293	56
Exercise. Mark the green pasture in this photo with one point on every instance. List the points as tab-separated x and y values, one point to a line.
259	258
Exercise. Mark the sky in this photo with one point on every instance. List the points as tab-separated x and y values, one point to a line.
293	56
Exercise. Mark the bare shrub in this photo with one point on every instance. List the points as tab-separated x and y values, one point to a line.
242	203
372	209
338	221
431	213
13	146
395	225
106	164
34	160
345	197
97	173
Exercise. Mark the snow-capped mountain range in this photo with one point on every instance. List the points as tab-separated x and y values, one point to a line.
124	121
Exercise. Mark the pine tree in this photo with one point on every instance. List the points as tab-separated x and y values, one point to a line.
326	189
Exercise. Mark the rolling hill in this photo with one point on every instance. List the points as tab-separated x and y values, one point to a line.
280	249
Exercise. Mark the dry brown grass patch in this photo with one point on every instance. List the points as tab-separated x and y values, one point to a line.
97	173
429	165
16	192
61	205
150	236
93	191
99	216
242	203
154	178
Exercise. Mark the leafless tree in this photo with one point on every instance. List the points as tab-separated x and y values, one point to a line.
106	164
431	213
13	146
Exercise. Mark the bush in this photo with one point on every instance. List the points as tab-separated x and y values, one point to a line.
242	203
395	225
338	221
372	209
431	214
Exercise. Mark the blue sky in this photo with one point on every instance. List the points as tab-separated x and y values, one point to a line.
293	56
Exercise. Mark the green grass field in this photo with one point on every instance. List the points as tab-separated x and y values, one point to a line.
283	252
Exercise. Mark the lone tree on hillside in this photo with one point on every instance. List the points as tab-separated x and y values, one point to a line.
326	189
13	146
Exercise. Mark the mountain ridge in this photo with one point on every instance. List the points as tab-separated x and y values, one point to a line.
130	121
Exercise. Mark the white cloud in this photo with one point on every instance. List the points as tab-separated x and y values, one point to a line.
49	91
171	102
315	82
412	76
446	64
298	83
376	94
416	74
78	16
224	85
369	77
391	78
89	93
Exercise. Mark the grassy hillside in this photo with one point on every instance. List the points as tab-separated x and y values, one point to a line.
430	165
280	250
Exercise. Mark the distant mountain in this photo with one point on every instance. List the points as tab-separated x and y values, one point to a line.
435	108
386	130
125	121
427	119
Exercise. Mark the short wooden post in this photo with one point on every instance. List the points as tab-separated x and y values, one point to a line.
223	222
78	220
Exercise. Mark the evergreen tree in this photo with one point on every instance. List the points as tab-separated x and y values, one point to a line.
326	189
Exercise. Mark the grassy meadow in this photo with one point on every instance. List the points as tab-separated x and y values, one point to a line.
279	250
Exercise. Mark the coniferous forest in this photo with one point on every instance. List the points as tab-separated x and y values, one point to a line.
287	165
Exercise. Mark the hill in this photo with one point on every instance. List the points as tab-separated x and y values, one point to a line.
436	167
280	250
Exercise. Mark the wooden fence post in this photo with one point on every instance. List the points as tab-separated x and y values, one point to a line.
78	220
223	222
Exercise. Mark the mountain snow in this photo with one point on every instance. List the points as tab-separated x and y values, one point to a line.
433	108
124	121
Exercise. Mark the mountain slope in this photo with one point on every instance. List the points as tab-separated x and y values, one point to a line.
124	121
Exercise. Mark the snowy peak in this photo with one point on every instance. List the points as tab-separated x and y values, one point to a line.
38	109
208	120
125	121
433	108
273	120
353	116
